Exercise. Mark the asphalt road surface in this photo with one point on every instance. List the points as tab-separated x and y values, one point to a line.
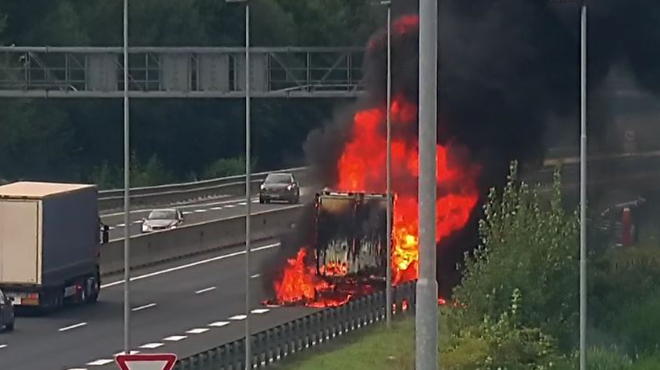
183	308
210	210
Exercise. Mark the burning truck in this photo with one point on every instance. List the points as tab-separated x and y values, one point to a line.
346	253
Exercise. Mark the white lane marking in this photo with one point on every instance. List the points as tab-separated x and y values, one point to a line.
200	210
99	362
259	311
175	338
73	326
136	222
242	204
152	345
111	228
238	317
186	212
255	276
205	290
3	346
189	265
136	309
219	324
120	225
197	331
255	201
230	206
217	208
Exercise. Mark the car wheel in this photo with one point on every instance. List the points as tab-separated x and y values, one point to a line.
261	200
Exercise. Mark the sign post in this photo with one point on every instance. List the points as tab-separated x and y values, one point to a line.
151	361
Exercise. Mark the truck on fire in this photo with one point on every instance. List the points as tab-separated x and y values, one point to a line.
350	235
50	244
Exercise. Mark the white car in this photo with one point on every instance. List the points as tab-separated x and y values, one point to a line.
162	219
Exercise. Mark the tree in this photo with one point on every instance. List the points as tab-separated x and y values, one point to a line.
526	245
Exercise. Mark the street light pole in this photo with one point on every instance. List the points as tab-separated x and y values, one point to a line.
583	187
127	180
248	180
248	201
426	318
388	278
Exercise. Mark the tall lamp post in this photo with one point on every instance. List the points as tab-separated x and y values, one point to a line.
127	180
426	318
248	201
583	182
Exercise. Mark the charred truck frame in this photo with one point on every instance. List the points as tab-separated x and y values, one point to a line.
350	235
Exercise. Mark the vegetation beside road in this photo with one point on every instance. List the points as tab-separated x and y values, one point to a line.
517	306
173	140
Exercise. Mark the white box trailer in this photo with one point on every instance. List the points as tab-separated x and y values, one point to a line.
49	243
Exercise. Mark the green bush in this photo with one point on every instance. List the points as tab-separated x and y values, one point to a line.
225	167
647	363
503	344
526	245
599	358
638	324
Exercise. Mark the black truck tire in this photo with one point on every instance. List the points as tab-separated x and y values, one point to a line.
93	296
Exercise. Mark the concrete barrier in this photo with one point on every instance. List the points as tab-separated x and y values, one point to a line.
186	241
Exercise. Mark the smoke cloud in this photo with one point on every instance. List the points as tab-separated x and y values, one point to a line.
506	68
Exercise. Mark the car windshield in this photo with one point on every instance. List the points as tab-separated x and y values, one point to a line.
162	215
278	178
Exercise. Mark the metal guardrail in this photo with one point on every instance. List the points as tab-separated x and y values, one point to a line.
235	185
189	191
282	341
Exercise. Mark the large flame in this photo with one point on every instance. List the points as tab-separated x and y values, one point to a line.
362	168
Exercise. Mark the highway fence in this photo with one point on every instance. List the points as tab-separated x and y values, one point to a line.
171	194
282	341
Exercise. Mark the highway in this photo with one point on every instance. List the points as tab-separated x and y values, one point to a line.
198	212
182	308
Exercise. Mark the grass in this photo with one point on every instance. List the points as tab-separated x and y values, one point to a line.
373	348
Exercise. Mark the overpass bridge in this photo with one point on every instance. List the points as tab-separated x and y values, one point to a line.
180	72
194	72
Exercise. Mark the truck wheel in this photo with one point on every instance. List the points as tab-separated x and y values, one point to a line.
10	326
93	296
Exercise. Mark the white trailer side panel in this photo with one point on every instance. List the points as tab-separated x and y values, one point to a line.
20	240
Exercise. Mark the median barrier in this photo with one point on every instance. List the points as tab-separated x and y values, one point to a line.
148	249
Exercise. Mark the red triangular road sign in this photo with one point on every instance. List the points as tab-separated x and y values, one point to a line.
155	361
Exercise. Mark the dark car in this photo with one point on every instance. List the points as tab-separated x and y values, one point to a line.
162	219
281	187
6	313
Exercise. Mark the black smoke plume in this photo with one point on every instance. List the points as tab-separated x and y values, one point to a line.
506	67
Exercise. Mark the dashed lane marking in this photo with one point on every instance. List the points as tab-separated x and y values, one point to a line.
238	317
175	338
186	212
189	265
219	324
260	311
100	362
200	210
3	346
217	208
197	331
67	328
136	309
124	352
230	206
120	225
242	204
255	276
201	291
152	345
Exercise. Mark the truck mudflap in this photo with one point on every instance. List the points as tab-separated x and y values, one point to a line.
351	232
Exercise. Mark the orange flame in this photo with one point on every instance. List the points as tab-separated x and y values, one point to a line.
361	168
